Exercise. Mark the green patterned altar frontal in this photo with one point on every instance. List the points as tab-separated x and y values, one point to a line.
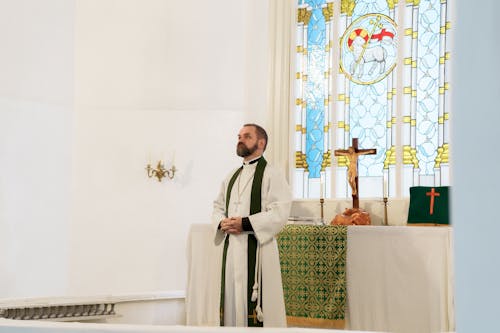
313	260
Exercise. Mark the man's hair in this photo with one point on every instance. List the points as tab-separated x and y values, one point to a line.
261	132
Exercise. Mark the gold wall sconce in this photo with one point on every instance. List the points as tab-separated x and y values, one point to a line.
160	171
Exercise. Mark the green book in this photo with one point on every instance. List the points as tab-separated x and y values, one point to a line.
429	205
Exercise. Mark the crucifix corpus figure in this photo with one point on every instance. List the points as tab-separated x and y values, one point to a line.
352	154
354	215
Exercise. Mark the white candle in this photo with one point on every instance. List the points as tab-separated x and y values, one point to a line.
321	185
385	189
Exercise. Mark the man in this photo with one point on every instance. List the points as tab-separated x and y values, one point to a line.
251	209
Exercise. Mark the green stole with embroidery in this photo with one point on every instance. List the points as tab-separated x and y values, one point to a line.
255	207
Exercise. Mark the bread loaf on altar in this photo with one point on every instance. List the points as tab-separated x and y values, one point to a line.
352	216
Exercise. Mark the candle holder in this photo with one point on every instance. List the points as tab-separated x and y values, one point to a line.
160	171
322	203
386	219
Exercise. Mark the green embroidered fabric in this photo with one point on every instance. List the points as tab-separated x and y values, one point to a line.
313	261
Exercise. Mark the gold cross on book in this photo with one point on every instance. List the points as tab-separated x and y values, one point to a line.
254	316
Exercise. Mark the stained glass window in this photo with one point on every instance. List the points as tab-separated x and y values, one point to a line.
313	87
390	91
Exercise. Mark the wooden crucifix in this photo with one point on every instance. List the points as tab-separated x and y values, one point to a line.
352	154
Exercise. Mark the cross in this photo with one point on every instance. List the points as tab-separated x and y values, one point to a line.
432	194
254	316
236	205
352	154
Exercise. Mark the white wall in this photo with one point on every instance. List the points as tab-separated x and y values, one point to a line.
36	109
90	92
153	79
475	121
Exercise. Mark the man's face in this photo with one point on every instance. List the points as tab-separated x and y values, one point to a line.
248	142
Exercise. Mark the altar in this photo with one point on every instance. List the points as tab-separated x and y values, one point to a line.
398	278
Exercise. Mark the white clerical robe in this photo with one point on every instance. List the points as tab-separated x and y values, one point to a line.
276	204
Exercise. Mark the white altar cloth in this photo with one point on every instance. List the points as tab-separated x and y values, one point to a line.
399	278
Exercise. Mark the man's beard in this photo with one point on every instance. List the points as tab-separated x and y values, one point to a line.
244	151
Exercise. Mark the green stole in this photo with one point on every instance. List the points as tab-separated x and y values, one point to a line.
255	207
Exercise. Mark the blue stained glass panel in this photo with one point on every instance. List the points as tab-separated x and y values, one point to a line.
370	6
427	135
368	106
314	93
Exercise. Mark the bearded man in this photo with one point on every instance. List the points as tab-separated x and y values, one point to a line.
252	207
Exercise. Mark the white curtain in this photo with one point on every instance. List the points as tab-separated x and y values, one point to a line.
280	99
